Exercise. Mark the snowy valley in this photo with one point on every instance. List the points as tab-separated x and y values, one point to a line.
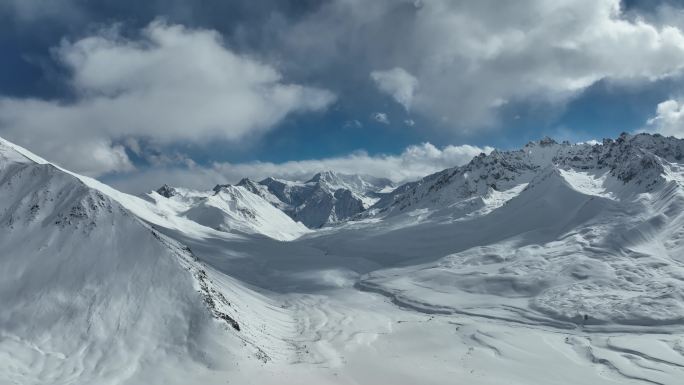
556	263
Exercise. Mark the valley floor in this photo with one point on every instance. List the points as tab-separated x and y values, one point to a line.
348	334
352	337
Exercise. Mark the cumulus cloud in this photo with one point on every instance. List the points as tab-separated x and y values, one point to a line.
397	83
354	123
472	57
668	120
380	117
414	162
171	85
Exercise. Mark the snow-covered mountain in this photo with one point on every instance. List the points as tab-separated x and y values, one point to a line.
229	208
326	198
276	208
488	181
91	293
553	234
554	264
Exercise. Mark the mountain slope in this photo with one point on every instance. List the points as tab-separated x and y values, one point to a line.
230	208
91	294
326	198
467	189
591	236
556	263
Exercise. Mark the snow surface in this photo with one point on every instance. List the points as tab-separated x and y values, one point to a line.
553	264
231	209
91	294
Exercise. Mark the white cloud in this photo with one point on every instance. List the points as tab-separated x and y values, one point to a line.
172	85
143	181
352	124
380	117
472	57
668	120
414	162
397	83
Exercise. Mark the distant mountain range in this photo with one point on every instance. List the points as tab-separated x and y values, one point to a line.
327	198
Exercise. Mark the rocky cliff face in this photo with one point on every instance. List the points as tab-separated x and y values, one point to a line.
633	159
326	198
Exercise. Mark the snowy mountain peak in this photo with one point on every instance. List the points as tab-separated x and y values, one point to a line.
547	141
271	180
167	191
250	185
246	182
236	208
543	142
328	176
328	197
356	183
82	271
635	159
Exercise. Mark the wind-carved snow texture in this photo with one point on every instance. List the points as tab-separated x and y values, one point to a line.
593	239
552	264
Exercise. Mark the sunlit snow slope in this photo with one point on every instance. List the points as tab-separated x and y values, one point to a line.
92	294
230	208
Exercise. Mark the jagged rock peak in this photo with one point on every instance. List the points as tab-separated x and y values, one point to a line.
544	142
547	141
244	182
249	184
167	191
636	159
324	176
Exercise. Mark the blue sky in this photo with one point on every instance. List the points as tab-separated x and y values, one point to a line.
197	92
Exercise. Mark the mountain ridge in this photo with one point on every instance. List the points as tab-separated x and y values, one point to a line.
540	254
88	278
624	157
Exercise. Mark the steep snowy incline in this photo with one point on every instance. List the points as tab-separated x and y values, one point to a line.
366	187
160	215
594	240
168	213
461	190
326	198
92	294
469	189
230	209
